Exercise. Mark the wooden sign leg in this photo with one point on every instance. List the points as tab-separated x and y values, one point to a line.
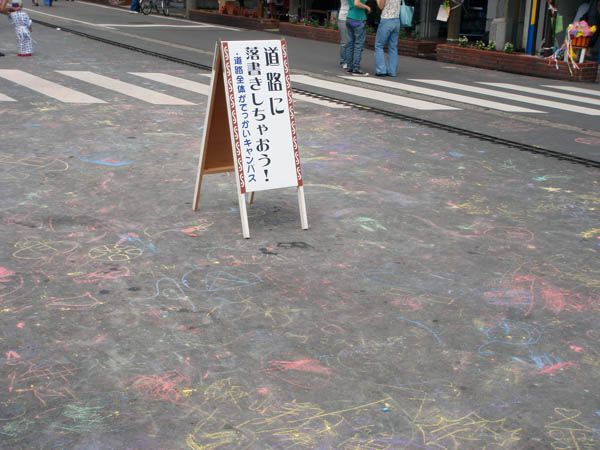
244	215
302	205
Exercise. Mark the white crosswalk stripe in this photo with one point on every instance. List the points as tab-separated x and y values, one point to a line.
579	90
445	95
204	89
48	88
545	93
131	90
6	98
371	94
542	96
182	83
515	97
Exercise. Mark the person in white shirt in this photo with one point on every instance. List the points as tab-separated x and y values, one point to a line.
341	23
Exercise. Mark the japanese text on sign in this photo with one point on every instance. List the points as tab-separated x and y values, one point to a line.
259	92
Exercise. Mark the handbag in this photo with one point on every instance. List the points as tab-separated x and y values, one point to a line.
406	14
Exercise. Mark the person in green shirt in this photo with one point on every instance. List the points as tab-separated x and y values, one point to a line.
356	25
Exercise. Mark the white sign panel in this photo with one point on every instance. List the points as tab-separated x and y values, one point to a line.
259	97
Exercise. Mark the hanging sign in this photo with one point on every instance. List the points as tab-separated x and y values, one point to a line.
250	127
443	13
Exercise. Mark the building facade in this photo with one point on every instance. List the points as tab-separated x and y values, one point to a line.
536	26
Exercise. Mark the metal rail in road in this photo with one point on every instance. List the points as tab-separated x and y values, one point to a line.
399	116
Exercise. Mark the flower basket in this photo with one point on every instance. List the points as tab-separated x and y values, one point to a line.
581	41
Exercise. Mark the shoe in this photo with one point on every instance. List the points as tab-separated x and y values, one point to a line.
381	75
360	73
345	66
133	12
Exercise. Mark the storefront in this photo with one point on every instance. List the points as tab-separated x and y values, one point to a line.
548	22
535	26
475	18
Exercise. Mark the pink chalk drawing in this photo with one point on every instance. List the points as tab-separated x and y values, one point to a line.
100	338
105	275
43	380
302	365
551	370
5	273
85	301
517	235
166	387
527	291
407	303
588	140
9	282
196	230
11	355
305	373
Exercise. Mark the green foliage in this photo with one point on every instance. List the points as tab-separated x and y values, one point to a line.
463	41
479	45
509	47
491	46
310	22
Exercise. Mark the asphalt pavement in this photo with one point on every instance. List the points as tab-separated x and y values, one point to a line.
446	294
557	118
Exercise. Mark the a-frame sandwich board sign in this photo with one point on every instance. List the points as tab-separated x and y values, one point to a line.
250	126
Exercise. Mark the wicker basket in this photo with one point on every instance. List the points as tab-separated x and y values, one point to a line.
581	41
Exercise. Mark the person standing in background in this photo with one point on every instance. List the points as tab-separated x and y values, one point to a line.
22	23
356	24
134	8
388	32
3	5
341	23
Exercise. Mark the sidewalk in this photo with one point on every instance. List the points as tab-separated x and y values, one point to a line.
518	63
445	296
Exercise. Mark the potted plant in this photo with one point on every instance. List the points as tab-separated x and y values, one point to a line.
230	7
484	56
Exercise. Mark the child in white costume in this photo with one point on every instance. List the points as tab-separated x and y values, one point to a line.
22	23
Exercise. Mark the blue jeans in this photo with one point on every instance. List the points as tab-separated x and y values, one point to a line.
356	42
387	33
343	41
135	5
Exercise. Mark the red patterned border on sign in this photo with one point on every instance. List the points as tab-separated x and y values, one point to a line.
288	87
233	114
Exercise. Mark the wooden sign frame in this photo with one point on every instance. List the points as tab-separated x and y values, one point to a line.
220	149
